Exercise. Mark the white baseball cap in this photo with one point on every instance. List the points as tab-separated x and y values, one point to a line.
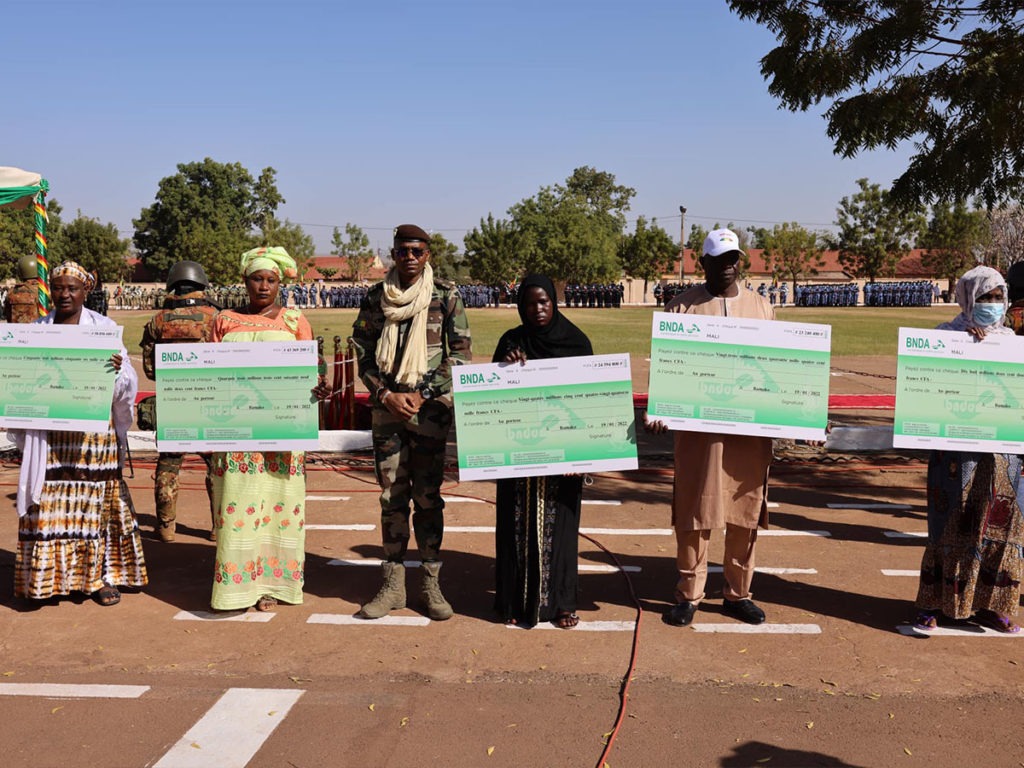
722	241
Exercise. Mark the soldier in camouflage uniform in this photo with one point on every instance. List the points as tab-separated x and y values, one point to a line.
20	306
187	316
410	330
1015	287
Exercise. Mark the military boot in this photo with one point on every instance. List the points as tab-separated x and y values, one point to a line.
391	595
437	607
165	530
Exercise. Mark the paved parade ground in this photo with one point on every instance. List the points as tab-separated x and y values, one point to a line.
834	678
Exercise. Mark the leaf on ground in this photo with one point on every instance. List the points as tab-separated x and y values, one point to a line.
757	699
404	722
9	674
907	751
892	716
742	650
295	679
195	746
828	682
1013	662
475	651
827	691
873	696
490	751
810	724
55	710
512	725
543	666
371	707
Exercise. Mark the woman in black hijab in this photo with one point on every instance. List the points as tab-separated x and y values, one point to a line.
538	518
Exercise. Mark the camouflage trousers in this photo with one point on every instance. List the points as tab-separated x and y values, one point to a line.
409	462
165	492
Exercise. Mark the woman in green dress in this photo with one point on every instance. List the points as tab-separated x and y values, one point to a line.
259	496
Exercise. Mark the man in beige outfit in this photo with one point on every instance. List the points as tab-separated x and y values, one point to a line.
720	480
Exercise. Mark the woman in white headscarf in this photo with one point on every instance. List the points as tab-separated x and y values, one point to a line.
260	496
972	564
77	530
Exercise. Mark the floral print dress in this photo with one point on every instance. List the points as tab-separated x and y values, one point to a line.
259	497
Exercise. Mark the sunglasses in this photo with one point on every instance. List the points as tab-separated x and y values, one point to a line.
405	250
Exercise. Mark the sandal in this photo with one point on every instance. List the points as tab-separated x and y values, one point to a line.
566	620
266	603
926	621
107	595
997	621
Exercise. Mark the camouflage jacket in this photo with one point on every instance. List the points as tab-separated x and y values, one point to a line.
20	306
1015	317
448	340
184	318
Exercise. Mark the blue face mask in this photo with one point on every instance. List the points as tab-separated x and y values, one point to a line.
988	314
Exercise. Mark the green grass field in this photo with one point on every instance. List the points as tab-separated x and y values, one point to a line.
855	330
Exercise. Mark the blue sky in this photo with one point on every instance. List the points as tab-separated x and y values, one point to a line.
436	113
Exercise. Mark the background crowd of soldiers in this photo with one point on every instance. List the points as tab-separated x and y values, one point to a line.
915	293
663	294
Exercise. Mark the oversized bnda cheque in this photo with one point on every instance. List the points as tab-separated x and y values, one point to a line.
237	396
740	376
547	417
57	377
953	392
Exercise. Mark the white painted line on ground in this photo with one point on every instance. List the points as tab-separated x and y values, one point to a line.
352	621
232	730
609	568
328	498
899	572
760	629
463	500
773	571
332	527
627	531
906	535
585	626
971	632
257	617
63	691
855	505
370	561
602	502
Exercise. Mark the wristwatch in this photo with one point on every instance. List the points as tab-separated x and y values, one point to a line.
426	392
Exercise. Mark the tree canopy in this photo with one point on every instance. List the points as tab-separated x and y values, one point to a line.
444	257
207	212
17	236
571	232
945	74
953	240
792	252
97	247
874	232
355	250
647	252
493	251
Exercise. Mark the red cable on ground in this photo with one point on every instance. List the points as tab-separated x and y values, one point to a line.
624	691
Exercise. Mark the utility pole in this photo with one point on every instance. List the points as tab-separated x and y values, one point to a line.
682	240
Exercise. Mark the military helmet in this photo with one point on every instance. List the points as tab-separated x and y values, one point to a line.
187	271
28	269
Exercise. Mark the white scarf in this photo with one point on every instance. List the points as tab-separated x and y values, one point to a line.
400	305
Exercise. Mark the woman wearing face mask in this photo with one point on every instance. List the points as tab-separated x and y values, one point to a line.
972	564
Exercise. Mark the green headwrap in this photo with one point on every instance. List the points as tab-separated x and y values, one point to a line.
274	258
